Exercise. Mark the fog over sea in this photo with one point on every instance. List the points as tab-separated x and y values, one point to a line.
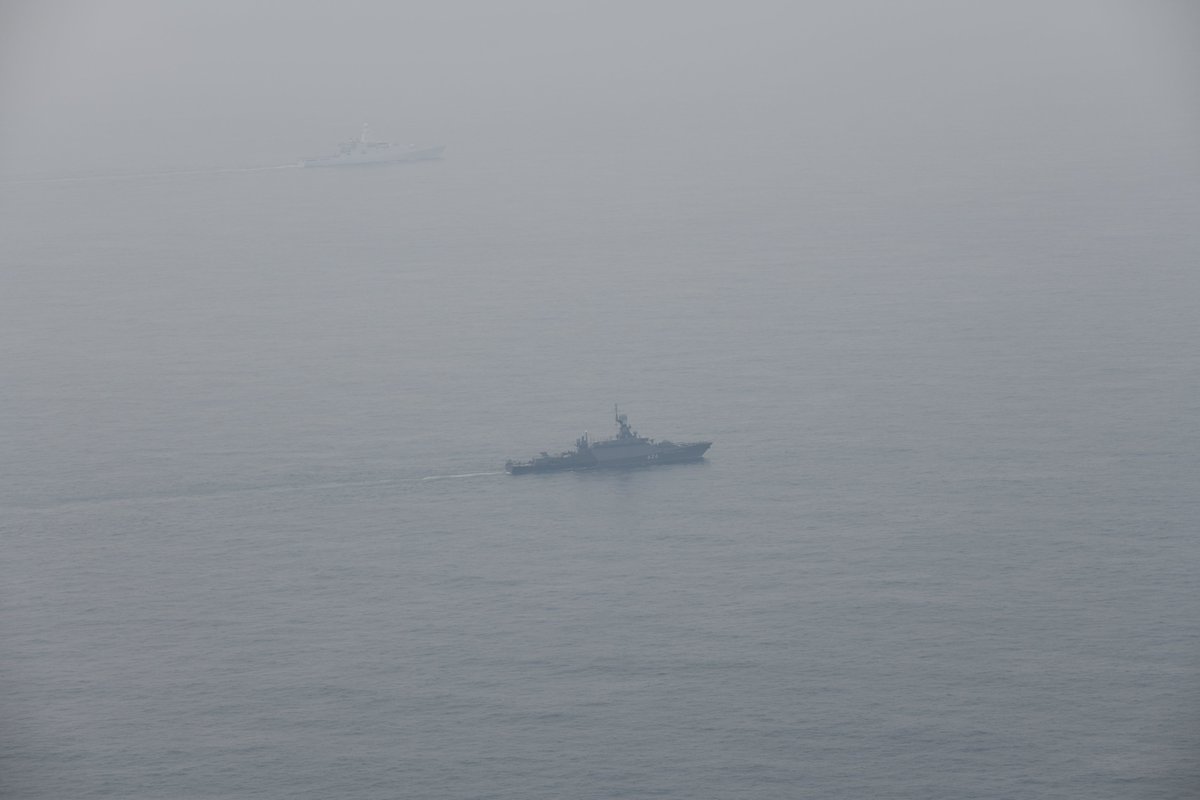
258	541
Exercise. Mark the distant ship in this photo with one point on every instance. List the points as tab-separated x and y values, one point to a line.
365	151
626	449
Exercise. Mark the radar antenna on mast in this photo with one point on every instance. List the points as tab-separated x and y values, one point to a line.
622	424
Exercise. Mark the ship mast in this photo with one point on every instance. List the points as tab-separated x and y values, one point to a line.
622	424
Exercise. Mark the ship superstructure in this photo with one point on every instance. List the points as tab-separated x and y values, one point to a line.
365	150
626	449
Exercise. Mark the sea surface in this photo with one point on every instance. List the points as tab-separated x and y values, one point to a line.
258	541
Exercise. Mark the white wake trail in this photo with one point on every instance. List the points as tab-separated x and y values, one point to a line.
463	475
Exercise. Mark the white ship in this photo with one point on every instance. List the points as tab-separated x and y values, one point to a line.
365	151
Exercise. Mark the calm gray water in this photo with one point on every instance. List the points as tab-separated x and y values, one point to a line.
257	542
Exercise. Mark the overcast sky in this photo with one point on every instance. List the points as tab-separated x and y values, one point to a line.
100	83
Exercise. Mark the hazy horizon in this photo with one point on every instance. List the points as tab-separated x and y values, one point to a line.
859	86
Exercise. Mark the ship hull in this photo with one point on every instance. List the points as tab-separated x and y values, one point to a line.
358	159
648	457
626	449
683	454
661	454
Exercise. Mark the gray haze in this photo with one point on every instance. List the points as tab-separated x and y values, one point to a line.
941	86
925	273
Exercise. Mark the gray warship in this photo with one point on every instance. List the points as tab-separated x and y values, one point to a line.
626	449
